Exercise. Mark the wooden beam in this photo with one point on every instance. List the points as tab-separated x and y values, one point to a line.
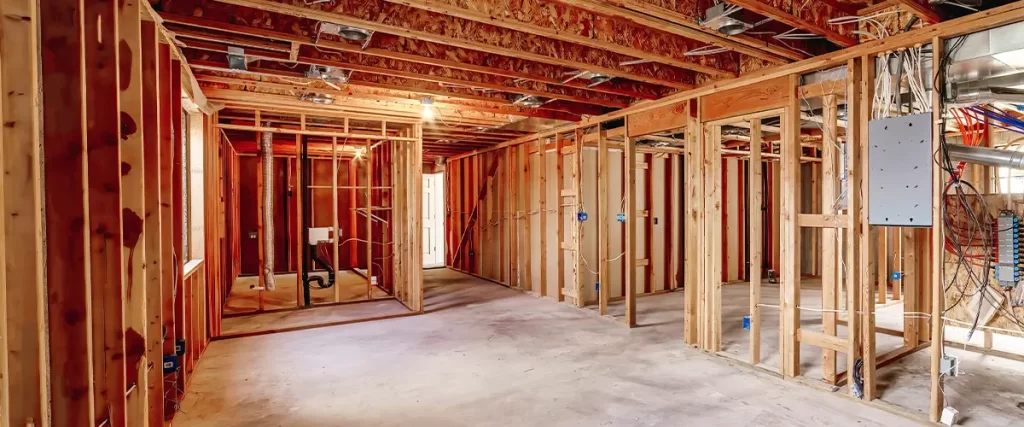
133	209
812	18
580	26
994	17
66	227
460	32
654	15
680	17
209	54
24	302
222	23
102	134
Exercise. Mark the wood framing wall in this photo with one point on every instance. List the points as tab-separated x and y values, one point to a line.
92	216
816	237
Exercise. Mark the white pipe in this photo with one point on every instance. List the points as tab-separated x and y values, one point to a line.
267	151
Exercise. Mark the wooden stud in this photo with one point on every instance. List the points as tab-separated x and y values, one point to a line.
630	236
23	324
368	161
937	278
67	254
335	261
649	223
153	74
856	234
102	135
713	238
559	216
177	213
756	233
790	236
693	227
829	236
542	194
133	207
603	245
867	303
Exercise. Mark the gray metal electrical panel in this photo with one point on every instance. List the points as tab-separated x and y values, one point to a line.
900	178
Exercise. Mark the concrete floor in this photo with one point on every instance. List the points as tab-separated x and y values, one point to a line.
485	355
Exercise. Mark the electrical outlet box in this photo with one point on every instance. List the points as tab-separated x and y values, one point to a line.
620	217
373	280
179	347
746	323
597	286
949	365
655	220
949	416
170	364
900	155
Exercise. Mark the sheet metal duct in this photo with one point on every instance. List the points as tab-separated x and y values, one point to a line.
986	156
267	151
990	90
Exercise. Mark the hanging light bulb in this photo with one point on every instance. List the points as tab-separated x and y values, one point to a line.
428	113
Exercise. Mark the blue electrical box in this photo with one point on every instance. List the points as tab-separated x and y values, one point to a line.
746	322
170	364
597	286
896	275
620	217
581	216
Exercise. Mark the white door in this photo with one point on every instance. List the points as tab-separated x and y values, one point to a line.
433	220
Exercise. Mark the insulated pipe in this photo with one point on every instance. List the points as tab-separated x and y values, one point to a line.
986	156
267	151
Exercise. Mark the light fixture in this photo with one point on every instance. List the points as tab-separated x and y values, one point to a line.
359	153
346	32
428	114
718	17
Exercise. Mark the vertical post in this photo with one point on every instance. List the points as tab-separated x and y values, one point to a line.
559	217
577	241
260	208
67	236
527	203
856	263
713	238
133	200
829	236
512	154
299	191
631	219
790	164
22	224
604	282
937	277
693	226
867	289
649	222
103	124
334	215
542	148
756	233
369	218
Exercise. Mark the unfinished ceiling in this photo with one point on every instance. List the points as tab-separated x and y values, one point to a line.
490	70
